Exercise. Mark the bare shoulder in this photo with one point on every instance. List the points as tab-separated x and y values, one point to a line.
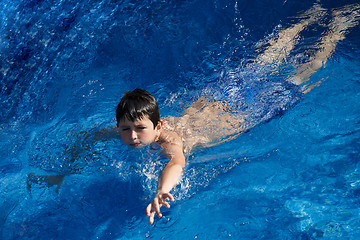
172	147
170	138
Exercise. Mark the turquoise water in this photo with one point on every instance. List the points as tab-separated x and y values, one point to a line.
65	66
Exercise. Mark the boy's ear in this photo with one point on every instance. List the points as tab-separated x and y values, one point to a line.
159	125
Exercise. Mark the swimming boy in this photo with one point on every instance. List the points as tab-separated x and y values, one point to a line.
207	121
139	124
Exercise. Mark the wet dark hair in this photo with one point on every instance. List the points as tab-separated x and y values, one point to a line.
137	104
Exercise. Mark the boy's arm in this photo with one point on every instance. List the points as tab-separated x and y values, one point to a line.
106	133
169	177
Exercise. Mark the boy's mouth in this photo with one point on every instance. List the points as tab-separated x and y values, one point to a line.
134	144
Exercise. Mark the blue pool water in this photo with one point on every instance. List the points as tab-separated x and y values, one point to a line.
64	66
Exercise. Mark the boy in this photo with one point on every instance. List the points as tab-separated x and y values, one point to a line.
139	124
210	122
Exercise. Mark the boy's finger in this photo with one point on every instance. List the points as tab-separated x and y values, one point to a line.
159	213
148	210
151	218
170	196
166	204
157	209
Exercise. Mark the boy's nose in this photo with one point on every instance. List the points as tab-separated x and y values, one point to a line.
133	135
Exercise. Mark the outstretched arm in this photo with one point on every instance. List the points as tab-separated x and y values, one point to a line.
170	176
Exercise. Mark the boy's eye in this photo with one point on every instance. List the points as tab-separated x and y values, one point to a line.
125	129
140	127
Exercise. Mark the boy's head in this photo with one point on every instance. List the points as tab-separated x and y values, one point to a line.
138	118
137	104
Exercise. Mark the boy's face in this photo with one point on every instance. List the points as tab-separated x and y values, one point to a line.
140	133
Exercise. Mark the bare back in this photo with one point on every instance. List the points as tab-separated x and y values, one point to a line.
206	123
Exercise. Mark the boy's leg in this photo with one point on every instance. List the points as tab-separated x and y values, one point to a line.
279	48
343	19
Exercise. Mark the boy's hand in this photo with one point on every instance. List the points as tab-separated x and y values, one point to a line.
158	201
